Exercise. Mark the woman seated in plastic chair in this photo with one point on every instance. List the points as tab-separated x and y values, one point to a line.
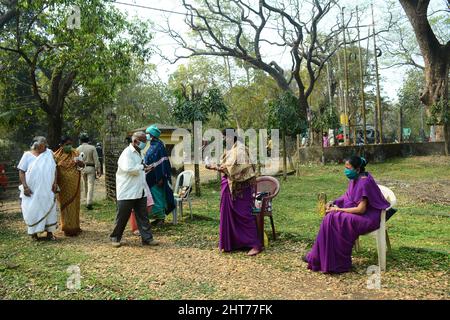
355	213
238	228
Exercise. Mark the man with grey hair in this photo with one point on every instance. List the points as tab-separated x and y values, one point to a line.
131	191
37	173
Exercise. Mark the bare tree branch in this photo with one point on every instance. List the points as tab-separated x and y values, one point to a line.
226	29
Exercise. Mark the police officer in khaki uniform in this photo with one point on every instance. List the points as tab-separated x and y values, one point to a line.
92	168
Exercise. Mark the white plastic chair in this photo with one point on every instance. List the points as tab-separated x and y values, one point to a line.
381	234
187	177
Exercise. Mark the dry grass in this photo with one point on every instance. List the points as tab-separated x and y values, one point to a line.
187	264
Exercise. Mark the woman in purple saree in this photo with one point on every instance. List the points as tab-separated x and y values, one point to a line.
355	213
237	228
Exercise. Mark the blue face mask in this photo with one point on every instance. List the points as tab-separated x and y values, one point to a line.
142	145
350	173
148	137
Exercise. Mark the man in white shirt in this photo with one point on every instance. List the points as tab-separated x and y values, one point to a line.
131	191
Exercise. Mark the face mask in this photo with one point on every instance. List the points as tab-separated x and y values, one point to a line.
148	137
67	148
142	145
350	173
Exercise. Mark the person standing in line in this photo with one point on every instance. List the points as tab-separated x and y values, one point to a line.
37	173
90	170
159	178
68	166
131	192
238	227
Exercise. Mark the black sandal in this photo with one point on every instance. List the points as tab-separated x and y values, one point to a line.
35	237
50	237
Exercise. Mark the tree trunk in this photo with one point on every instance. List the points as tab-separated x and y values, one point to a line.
196	166
54	104
304	107
55	123
284	156
197	179
400	125
437	60
447	138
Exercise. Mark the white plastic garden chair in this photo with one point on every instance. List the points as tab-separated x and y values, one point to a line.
381	234
187	177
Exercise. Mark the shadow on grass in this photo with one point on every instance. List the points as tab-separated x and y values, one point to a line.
408	258
197	217
293	237
10	216
418	259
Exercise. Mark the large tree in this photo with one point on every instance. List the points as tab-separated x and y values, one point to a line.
436	56
247	30
90	61
197	98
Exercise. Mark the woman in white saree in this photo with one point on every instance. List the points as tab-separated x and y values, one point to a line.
37	172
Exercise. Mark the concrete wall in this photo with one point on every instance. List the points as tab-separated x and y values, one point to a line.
372	152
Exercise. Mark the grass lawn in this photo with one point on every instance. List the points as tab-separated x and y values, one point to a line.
187	264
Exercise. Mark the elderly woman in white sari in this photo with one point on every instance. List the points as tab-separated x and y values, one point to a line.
37	173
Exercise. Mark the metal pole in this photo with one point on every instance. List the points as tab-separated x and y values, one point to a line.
377	77
346	79
341	90
422	132
330	97
361	79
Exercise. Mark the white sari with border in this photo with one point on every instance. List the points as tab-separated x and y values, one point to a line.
39	210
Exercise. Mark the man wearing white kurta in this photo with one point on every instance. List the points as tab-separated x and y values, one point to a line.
37	173
131	191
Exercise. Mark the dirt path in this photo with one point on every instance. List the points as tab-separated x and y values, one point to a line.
177	271
189	272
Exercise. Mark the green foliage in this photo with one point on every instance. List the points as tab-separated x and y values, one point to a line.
199	74
17	104
200	107
417	266
439	113
100	55
325	118
246	98
409	93
284	114
409	99
143	100
197	97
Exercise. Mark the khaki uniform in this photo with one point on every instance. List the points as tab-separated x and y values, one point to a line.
88	173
